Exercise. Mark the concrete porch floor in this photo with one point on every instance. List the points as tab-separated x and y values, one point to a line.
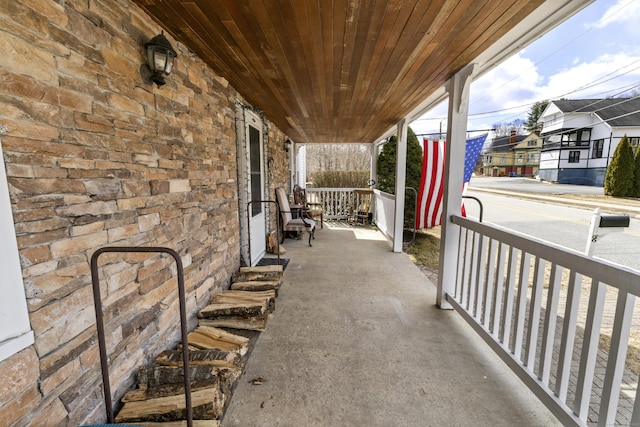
356	340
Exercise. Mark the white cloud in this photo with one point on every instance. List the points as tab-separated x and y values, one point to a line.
507	92
621	11
508	88
606	75
518	82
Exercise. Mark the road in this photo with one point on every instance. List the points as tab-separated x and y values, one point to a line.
563	225
533	186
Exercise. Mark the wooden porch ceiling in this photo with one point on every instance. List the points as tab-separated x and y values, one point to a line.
336	71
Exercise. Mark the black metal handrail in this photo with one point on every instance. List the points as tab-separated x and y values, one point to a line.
479	204
415	215
104	364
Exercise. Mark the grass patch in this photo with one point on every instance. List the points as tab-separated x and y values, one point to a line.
425	251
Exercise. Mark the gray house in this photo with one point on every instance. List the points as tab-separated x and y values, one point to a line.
580	137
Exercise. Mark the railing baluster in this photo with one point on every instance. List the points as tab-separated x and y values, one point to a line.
473	282
534	313
460	267
508	306
489	279
635	415
617	355
480	276
523	280
499	287
550	322
465	271
335	203
568	335
589	349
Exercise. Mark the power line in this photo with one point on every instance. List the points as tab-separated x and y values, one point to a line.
444	132
541	138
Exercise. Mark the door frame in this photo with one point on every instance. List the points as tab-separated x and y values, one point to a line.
248	116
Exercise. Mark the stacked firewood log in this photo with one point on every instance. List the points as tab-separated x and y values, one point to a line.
218	350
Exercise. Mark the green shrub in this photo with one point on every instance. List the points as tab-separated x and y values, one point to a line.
387	163
618	180
340	179
387	171
636	174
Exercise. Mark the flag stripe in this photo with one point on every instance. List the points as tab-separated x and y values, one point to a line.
431	185
435	211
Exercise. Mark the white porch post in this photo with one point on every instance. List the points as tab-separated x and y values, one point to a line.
373	171
401	175
458	88
292	166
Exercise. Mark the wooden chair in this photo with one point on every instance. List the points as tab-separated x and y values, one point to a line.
288	223
314	207
361	206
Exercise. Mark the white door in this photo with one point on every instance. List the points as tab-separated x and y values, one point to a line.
255	187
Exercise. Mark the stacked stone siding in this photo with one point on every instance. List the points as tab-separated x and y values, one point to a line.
278	174
96	157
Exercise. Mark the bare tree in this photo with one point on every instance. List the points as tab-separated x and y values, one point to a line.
504	129
338	157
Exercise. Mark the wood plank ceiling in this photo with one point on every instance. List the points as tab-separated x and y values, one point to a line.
336	71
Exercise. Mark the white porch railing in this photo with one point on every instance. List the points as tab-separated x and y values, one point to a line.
337	203
384	212
561	320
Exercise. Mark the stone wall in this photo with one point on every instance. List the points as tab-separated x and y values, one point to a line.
278	173
96	158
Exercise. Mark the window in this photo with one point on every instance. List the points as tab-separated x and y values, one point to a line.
552	141
574	156
576	138
532	143
503	160
533	158
634	144
488	159
598	146
15	330
520	158
255	167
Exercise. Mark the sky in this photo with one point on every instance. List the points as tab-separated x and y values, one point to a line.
594	54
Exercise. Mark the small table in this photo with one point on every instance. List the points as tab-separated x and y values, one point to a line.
298	211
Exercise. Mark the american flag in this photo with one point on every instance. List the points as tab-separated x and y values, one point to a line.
429	209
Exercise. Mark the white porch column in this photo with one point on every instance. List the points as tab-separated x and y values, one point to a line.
401	175
458	88
292	166
373	176
373	171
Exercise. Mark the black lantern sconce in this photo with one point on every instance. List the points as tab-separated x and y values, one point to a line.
160	57
287	145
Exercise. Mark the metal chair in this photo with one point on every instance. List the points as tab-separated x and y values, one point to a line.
310	204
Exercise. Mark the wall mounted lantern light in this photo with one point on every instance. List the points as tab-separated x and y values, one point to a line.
160	57
287	145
